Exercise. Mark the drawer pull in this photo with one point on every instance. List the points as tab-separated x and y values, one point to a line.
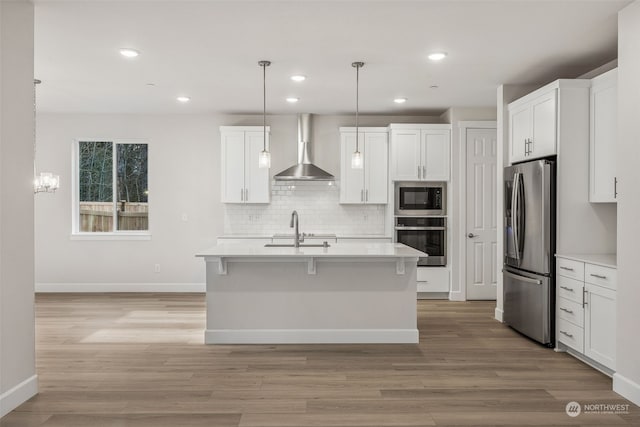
566	268
567	288
567	334
598	276
566	310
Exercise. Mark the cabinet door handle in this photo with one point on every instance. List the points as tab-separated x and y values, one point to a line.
424	172
615	187
567	334
242	194
584	297
246	194
362	195
566	268
526	146
567	289
419	176
566	310
598	276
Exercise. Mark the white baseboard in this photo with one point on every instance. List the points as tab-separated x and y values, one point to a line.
311	336
16	396
626	388
498	312
120	287
457	296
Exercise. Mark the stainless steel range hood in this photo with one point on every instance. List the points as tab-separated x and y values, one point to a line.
304	170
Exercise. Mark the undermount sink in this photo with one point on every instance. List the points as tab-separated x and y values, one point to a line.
302	245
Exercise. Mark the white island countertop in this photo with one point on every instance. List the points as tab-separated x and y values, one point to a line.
335	250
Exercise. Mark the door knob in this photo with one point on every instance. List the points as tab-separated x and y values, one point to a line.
471	235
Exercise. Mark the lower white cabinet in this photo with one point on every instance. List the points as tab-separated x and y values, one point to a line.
586	308
433	279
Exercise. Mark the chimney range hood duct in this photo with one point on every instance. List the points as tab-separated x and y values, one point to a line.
304	170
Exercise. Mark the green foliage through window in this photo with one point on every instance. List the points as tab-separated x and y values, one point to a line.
103	208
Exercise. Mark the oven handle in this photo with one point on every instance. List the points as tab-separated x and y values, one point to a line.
421	228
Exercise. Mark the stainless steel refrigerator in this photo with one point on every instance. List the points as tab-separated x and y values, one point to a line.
528	273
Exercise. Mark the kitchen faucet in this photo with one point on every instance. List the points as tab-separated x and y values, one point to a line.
297	237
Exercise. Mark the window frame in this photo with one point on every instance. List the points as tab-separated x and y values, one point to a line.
76	234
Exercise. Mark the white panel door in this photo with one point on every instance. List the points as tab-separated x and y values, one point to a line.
232	164
481	215
519	132
405	164
376	166
257	188
600	325
435	155
544	115
351	180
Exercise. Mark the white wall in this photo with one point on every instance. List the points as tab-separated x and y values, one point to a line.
627	378
18	380
456	241
184	178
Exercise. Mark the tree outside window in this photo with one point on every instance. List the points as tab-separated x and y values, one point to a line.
103	207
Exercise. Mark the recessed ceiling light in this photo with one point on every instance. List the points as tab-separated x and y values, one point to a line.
298	78
293	100
400	100
183	99
437	56
127	52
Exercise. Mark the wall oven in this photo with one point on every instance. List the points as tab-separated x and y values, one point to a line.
427	234
420	198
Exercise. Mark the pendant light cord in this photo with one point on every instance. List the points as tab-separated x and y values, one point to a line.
264	65
36	82
357	65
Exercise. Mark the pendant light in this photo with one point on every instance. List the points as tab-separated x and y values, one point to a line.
356	158
264	160
46	182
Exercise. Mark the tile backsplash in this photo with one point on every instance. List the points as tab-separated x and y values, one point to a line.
319	211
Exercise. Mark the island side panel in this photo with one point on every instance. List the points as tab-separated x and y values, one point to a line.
279	302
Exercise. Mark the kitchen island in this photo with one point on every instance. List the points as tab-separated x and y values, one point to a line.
343	293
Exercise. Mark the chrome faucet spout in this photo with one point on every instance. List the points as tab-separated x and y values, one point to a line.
294	224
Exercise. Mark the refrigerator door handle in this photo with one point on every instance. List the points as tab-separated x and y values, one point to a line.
515	202
522	278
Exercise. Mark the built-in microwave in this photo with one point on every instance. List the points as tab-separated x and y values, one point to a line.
420	198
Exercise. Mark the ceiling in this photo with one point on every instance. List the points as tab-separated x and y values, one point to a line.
209	51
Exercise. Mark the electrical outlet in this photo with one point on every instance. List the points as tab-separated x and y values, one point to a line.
156	268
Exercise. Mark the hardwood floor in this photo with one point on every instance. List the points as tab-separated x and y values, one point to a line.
139	360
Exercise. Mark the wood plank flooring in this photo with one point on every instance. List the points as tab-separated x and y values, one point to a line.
139	360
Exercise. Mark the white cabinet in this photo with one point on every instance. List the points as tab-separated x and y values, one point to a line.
370	183
532	126
243	181
432	279
586	309
600	325
603	137
420	152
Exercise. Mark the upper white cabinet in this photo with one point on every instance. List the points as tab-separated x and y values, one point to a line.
537	123
369	184
603	137
243	181
420	152
532	124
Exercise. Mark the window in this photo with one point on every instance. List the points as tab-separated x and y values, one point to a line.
112	191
